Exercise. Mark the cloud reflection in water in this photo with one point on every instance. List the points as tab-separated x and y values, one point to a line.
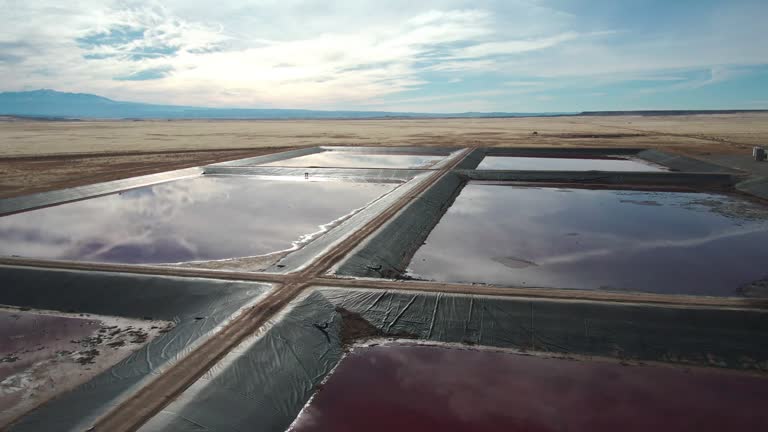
205	218
665	242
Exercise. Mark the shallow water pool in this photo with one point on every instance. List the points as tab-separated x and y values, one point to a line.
200	219
661	242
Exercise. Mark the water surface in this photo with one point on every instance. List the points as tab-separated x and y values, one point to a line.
337	159
424	388
44	354
663	242
27	338
199	219
566	164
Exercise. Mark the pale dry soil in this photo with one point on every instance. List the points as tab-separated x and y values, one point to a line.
44	155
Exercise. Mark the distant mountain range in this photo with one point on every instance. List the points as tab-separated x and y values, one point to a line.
54	104
51	104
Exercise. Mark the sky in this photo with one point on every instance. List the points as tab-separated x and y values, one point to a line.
394	55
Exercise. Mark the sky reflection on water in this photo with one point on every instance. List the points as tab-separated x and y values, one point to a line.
664	242
205	218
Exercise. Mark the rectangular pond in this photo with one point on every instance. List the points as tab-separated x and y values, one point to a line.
607	163
343	159
207	219
660	242
422	388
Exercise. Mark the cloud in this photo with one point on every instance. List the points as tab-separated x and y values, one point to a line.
714	75
10	58
513	46
115	37
146	74
344	53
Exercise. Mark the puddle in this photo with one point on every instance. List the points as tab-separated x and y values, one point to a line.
200	219
566	164
662	242
337	159
43	354
420	388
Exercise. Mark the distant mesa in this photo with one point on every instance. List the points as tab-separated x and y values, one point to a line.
54	105
51	104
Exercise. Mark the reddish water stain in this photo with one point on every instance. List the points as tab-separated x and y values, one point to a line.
421	388
567	164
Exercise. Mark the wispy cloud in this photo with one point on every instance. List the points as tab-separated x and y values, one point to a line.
716	74
344	53
512	47
147	74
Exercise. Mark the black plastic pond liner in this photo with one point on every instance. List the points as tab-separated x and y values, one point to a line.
757	186
197	307
263	384
388	252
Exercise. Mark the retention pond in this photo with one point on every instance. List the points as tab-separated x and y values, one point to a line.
418	388
359	160
661	242
566	164
200	219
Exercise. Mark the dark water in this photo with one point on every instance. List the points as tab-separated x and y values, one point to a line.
663	242
566	164
205	218
358	160
420	388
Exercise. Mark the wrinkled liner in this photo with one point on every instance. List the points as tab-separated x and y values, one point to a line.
268	378
274	157
387	252
198	308
672	161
